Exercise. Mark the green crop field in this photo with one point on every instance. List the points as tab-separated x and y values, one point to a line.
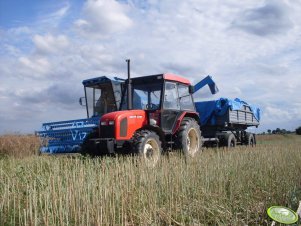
217	187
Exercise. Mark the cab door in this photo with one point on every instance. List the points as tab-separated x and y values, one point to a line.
171	107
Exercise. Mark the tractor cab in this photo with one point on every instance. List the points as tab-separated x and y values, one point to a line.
164	97
102	95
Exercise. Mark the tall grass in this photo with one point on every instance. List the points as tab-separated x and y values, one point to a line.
218	187
18	145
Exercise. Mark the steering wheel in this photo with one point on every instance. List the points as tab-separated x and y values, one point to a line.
151	106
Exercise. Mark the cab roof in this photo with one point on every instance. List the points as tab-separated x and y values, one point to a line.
176	78
99	80
165	76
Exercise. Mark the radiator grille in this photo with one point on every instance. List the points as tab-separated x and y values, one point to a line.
107	131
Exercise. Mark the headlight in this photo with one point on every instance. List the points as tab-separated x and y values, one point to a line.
103	123
111	123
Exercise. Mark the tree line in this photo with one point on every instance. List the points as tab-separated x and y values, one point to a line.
283	131
298	130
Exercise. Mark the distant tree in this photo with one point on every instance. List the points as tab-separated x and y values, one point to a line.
269	131
274	132
283	131
298	130
278	130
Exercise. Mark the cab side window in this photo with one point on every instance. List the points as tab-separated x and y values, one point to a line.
171	96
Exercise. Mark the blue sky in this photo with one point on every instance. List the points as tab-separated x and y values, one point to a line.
251	48
17	13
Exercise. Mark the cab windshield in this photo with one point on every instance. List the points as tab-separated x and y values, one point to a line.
145	96
101	99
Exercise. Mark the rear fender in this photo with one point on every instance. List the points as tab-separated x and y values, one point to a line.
185	114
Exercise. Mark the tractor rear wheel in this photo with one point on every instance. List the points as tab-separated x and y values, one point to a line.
250	140
147	144
189	137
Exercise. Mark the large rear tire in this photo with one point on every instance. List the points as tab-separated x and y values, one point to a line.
147	144
189	138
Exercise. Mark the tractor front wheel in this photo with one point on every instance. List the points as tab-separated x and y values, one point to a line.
148	145
189	137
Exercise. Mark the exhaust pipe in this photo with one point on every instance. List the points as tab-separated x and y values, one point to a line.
129	96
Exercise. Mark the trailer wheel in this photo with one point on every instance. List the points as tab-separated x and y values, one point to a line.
148	145
230	140
250	140
189	137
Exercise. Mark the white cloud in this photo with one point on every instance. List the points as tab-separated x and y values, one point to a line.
271	18
36	66
54	18
11	50
103	17
20	30
274	113
49	43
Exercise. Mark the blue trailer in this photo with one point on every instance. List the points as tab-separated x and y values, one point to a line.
224	122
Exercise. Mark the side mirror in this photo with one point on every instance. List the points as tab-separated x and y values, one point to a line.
191	89
82	101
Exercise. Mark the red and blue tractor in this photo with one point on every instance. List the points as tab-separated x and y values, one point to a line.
150	115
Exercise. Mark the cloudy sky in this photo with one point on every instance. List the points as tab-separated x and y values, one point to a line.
251	48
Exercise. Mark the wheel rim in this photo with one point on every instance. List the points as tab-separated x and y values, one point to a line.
192	142
151	152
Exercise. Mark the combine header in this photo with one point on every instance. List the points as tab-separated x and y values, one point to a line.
66	136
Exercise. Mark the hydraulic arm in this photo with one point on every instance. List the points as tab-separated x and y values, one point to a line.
206	81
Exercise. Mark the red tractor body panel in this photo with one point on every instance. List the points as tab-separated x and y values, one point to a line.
126	122
176	78
190	114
